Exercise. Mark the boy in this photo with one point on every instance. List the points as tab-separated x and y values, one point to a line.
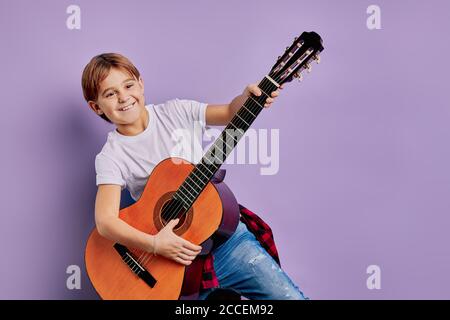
143	137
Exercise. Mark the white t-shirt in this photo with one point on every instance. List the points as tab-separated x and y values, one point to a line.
175	129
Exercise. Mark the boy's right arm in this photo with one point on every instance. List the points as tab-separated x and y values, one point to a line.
110	226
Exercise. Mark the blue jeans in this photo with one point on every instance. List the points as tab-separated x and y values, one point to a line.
242	264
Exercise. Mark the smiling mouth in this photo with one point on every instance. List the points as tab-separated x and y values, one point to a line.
128	107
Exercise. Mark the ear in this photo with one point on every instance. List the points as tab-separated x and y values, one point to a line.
94	106
141	83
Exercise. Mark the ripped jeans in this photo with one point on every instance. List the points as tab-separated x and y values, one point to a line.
243	265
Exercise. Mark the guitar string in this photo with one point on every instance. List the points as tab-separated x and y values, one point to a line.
144	257
180	205
174	214
245	117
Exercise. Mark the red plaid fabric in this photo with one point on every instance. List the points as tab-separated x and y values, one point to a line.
262	232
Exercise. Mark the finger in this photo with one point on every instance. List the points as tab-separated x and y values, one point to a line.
172	223
269	100
275	93
255	90
190	253
186	257
184	262
281	87
191	246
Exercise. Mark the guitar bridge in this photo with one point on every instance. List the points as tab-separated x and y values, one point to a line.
134	265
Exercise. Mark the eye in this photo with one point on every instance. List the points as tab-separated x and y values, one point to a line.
109	94
129	85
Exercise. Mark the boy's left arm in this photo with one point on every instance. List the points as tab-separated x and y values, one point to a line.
221	114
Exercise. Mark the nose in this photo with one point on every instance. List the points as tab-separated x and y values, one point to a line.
122	96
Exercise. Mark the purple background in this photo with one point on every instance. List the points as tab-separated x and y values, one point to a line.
364	140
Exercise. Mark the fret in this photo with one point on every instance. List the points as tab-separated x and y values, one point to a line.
253	106
181	199
189	177
264	93
237	114
221	138
217	148
199	178
225	146
256	102
234	137
209	174
206	157
211	153
205	166
203	173
246	114
248	110
192	192
241	127
187	191
235	128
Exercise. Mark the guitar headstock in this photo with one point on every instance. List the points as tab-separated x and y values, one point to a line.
297	58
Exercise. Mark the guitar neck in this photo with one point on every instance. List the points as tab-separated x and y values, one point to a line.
223	145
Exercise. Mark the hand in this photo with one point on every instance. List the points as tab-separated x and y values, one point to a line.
254	89
169	245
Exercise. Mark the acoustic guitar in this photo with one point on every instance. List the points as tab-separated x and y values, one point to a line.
195	193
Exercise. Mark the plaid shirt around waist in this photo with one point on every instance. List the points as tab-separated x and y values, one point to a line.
263	234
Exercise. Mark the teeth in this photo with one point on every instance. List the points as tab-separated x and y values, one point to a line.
128	107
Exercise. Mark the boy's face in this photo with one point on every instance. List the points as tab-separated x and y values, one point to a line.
120	98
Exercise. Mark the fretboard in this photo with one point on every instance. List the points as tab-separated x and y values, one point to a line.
216	155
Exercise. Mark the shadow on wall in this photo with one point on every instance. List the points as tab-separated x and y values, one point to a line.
82	136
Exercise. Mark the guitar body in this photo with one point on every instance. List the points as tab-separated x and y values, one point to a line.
214	213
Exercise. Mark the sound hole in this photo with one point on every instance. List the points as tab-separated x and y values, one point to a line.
173	209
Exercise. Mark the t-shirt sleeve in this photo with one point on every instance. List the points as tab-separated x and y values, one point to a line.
107	171
193	111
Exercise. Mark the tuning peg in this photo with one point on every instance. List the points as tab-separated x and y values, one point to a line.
299	76
307	67
317	58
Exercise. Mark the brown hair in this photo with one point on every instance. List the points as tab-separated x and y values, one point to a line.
98	69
